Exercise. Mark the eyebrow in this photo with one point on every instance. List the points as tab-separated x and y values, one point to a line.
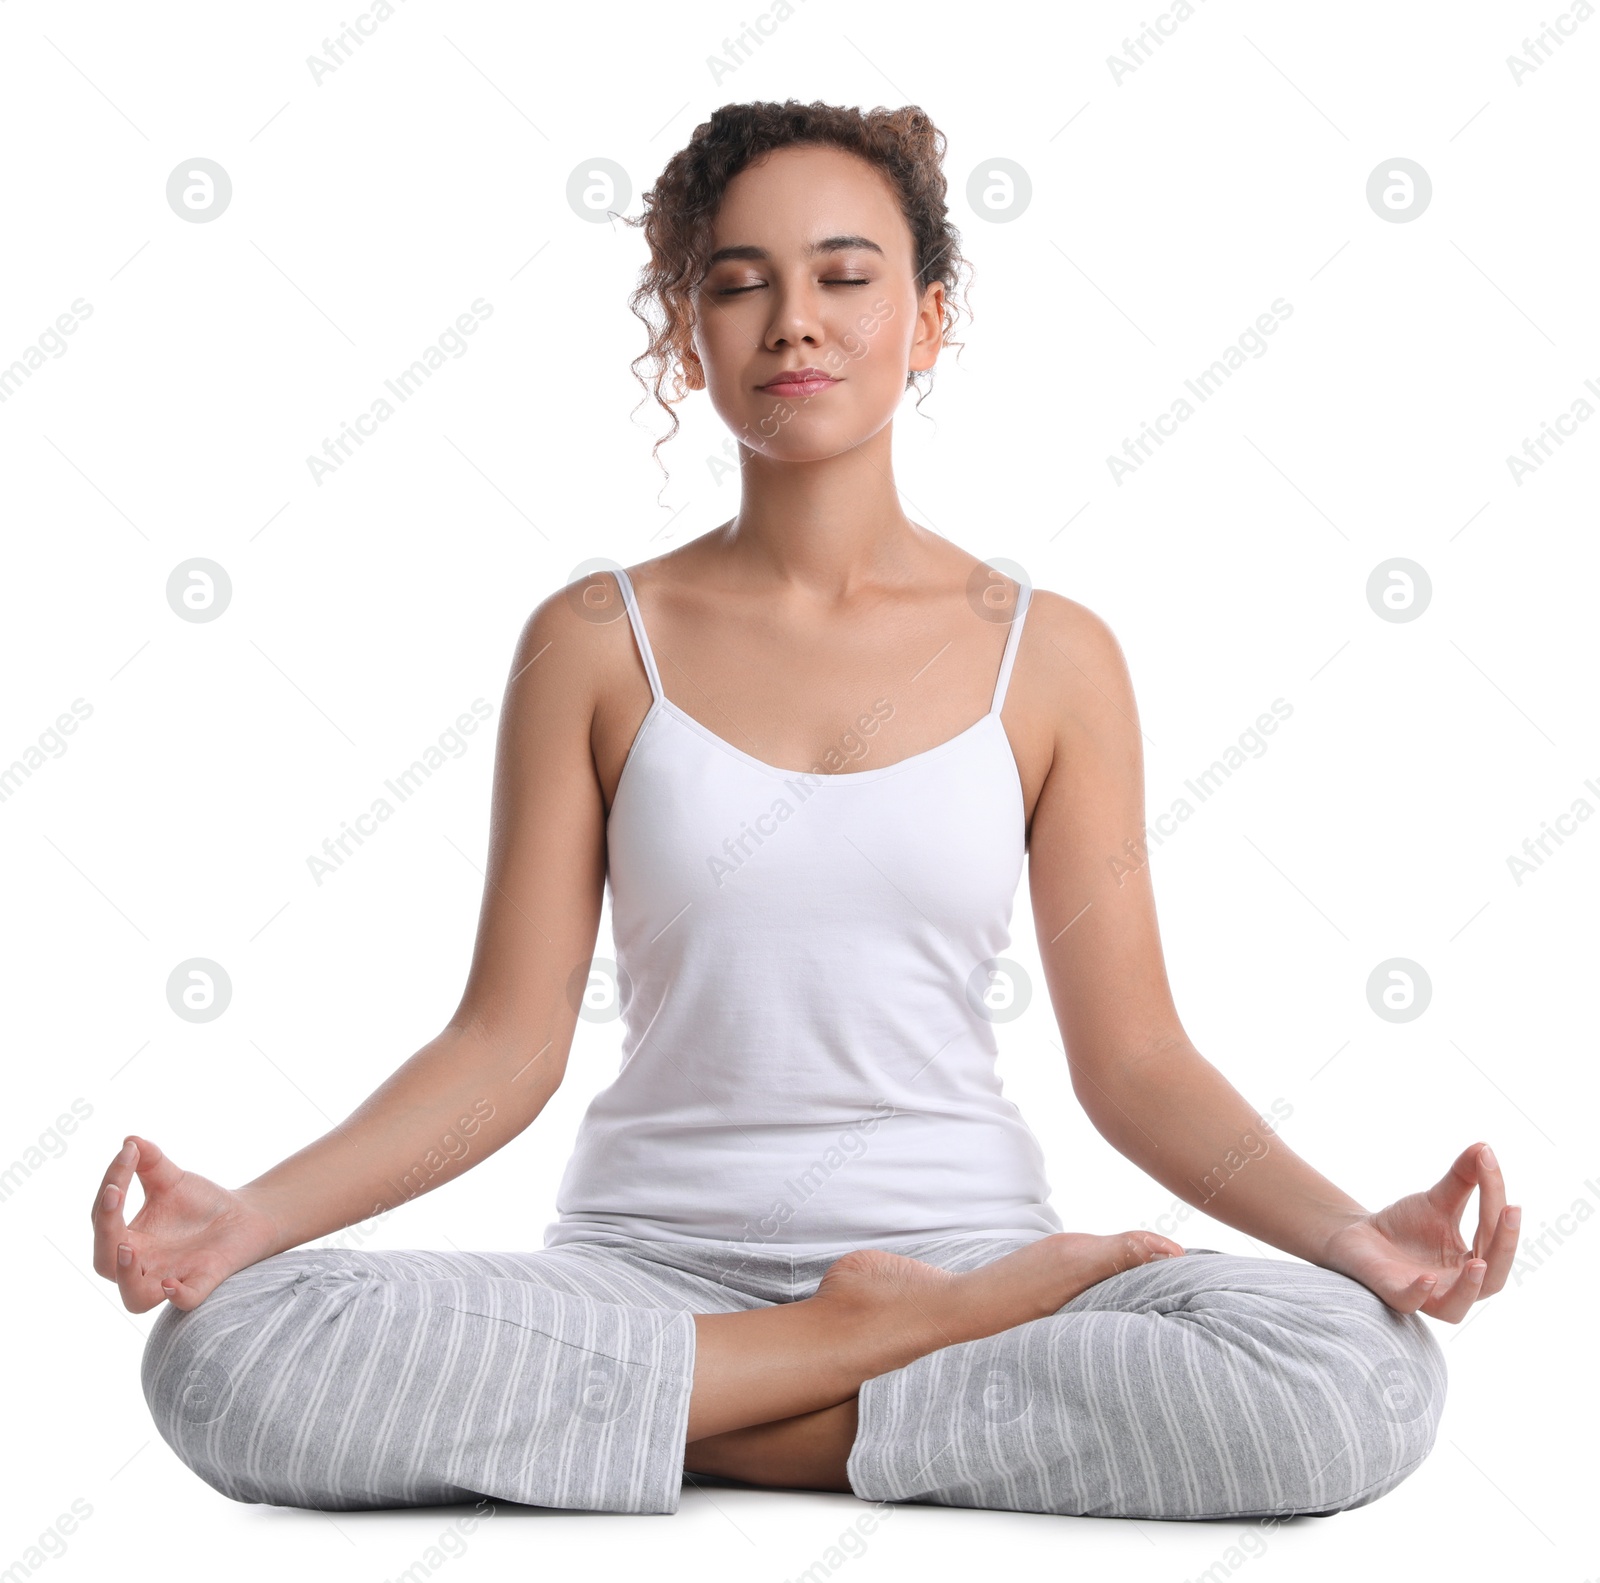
829	244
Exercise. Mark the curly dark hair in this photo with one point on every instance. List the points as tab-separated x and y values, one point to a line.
680	209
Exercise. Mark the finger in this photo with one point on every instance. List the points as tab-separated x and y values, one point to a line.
1451	1306
129	1274
105	1214
1450	1193
1409	1298
145	1284
156	1172
1491	1200
140	1292
1502	1250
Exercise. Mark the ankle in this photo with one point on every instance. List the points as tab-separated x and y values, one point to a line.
879	1323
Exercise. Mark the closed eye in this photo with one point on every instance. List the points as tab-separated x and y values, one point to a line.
734	291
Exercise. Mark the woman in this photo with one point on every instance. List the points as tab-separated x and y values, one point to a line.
804	1240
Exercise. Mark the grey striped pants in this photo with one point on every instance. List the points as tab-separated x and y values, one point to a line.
1211	1385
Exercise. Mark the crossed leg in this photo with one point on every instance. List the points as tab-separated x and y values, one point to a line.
572	1376
774	1389
1209	1386
1058	1374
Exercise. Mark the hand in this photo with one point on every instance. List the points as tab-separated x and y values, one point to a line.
1411	1254
187	1238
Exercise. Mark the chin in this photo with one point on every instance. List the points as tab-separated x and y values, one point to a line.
810	448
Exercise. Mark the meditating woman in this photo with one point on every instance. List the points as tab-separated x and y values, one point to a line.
804	1240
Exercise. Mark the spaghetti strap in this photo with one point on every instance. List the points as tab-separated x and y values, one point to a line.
1024	594
637	621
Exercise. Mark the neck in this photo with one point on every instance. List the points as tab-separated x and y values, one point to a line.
828	526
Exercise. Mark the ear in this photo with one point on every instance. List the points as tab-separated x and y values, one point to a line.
929	339
694	374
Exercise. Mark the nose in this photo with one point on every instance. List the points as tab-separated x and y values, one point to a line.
796	318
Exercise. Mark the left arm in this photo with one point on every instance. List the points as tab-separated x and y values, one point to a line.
1147	1089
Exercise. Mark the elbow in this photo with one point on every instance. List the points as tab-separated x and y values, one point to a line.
1099	1070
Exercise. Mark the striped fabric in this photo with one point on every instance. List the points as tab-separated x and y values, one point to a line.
1207	1386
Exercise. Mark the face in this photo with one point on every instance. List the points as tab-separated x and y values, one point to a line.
812	267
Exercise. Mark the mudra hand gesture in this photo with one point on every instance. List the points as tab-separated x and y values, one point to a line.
1411	1254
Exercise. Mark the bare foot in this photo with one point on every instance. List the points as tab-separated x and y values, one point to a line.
876	1311
916	1308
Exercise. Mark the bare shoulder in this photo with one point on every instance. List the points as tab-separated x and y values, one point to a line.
1069	710
575	649
1072	652
578	679
545	874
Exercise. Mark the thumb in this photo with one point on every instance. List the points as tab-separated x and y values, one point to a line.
157	1173
156	1170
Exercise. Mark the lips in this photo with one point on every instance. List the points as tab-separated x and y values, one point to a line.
799	382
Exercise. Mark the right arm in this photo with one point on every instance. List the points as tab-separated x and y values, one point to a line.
485	1077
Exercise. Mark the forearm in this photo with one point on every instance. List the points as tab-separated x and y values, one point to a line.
456	1101
1180	1120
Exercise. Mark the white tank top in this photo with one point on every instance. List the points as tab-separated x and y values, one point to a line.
806	965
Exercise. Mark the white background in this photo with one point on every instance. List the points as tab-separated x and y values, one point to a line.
369	610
